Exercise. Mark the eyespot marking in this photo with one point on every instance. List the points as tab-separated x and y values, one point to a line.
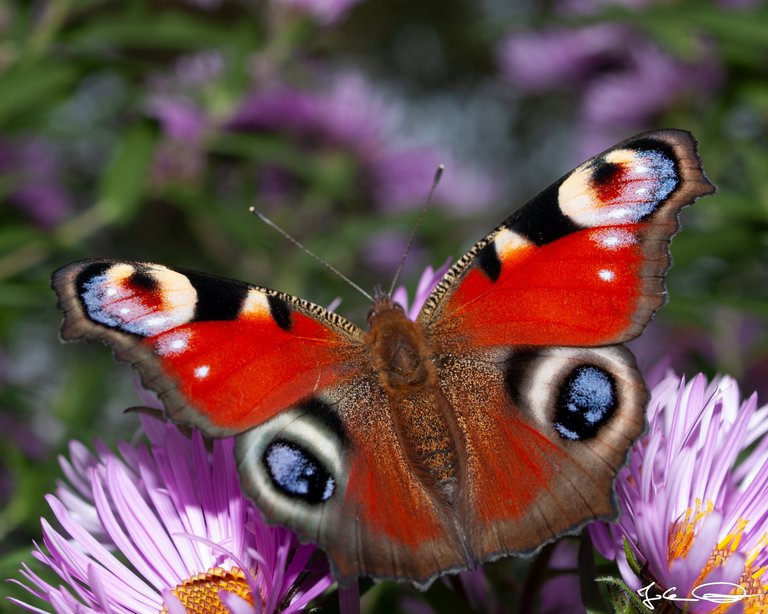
325	416
298	473
624	186
587	400
144	300
141	280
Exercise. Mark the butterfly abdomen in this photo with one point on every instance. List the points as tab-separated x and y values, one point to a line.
402	361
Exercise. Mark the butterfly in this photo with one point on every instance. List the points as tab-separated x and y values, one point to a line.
492	424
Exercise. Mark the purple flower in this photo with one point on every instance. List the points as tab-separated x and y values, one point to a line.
348	115
733	342
560	57
651	82
325	12
429	279
177	100
384	250
622	78
401	177
345	112
166	529
562	591
32	171
694	496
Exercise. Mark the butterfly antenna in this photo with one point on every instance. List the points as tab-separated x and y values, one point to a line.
435	182
306	250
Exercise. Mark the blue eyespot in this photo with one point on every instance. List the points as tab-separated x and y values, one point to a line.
587	400
298	473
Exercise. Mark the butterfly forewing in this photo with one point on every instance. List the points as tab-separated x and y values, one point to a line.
221	354
581	264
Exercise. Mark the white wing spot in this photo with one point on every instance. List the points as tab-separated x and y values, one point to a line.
619	213
613	238
178	344
606	275
155	321
173	343
202	371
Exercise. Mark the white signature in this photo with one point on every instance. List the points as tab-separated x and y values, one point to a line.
731	593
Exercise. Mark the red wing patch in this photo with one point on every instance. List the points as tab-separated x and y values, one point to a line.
583	289
242	372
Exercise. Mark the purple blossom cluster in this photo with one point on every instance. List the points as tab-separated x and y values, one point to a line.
33	180
188	540
620	78
349	115
343	117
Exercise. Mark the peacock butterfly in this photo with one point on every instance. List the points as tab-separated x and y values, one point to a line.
490	425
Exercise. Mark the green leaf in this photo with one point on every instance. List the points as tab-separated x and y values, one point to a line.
14	236
15	294
125	181
627	600
631	559
169	30
591	594
26	87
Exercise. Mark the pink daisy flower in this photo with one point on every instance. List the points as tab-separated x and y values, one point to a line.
165	528
694	499
429	279
325	12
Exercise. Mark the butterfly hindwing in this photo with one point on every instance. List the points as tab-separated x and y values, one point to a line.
544	432
581	264
222	355
335	470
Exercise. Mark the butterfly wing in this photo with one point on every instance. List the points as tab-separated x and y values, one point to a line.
581	264
222	355
290	380
544	433
526	327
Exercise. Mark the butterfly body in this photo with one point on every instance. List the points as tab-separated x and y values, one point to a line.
405	369
493	423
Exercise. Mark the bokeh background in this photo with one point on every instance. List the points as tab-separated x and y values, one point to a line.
144	130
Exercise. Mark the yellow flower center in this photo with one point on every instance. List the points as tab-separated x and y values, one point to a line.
681	537
200	593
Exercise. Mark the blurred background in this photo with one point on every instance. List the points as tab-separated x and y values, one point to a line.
145	129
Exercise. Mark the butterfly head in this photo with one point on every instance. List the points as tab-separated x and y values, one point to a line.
399	352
